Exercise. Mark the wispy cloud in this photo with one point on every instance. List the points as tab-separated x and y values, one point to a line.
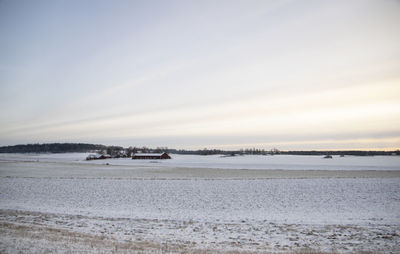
313	71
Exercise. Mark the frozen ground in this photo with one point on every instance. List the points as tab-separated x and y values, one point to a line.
286	162
60	203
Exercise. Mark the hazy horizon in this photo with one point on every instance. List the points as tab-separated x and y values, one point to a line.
266	149
295	75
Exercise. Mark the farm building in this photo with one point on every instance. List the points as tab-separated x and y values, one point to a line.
98	157
151	156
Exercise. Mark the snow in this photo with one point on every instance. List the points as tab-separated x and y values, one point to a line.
326	201
247	203
284	162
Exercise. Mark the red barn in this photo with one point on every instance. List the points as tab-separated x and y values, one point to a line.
150	156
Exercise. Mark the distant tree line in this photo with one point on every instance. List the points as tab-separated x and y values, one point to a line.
51	148
117	151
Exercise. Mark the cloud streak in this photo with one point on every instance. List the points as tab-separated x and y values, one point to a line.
199	71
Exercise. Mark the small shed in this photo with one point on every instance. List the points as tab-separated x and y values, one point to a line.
150	156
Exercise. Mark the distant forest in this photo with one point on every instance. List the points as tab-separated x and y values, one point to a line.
51	148
82	147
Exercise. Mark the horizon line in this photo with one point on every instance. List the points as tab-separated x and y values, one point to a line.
387	149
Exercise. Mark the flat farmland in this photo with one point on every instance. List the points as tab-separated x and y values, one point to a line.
69	204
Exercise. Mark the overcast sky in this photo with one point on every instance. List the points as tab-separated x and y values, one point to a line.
195	74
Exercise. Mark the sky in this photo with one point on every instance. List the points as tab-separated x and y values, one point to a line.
295	75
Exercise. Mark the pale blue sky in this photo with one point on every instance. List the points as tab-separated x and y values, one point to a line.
194	74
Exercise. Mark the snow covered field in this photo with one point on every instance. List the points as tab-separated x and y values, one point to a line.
286	162
196	204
